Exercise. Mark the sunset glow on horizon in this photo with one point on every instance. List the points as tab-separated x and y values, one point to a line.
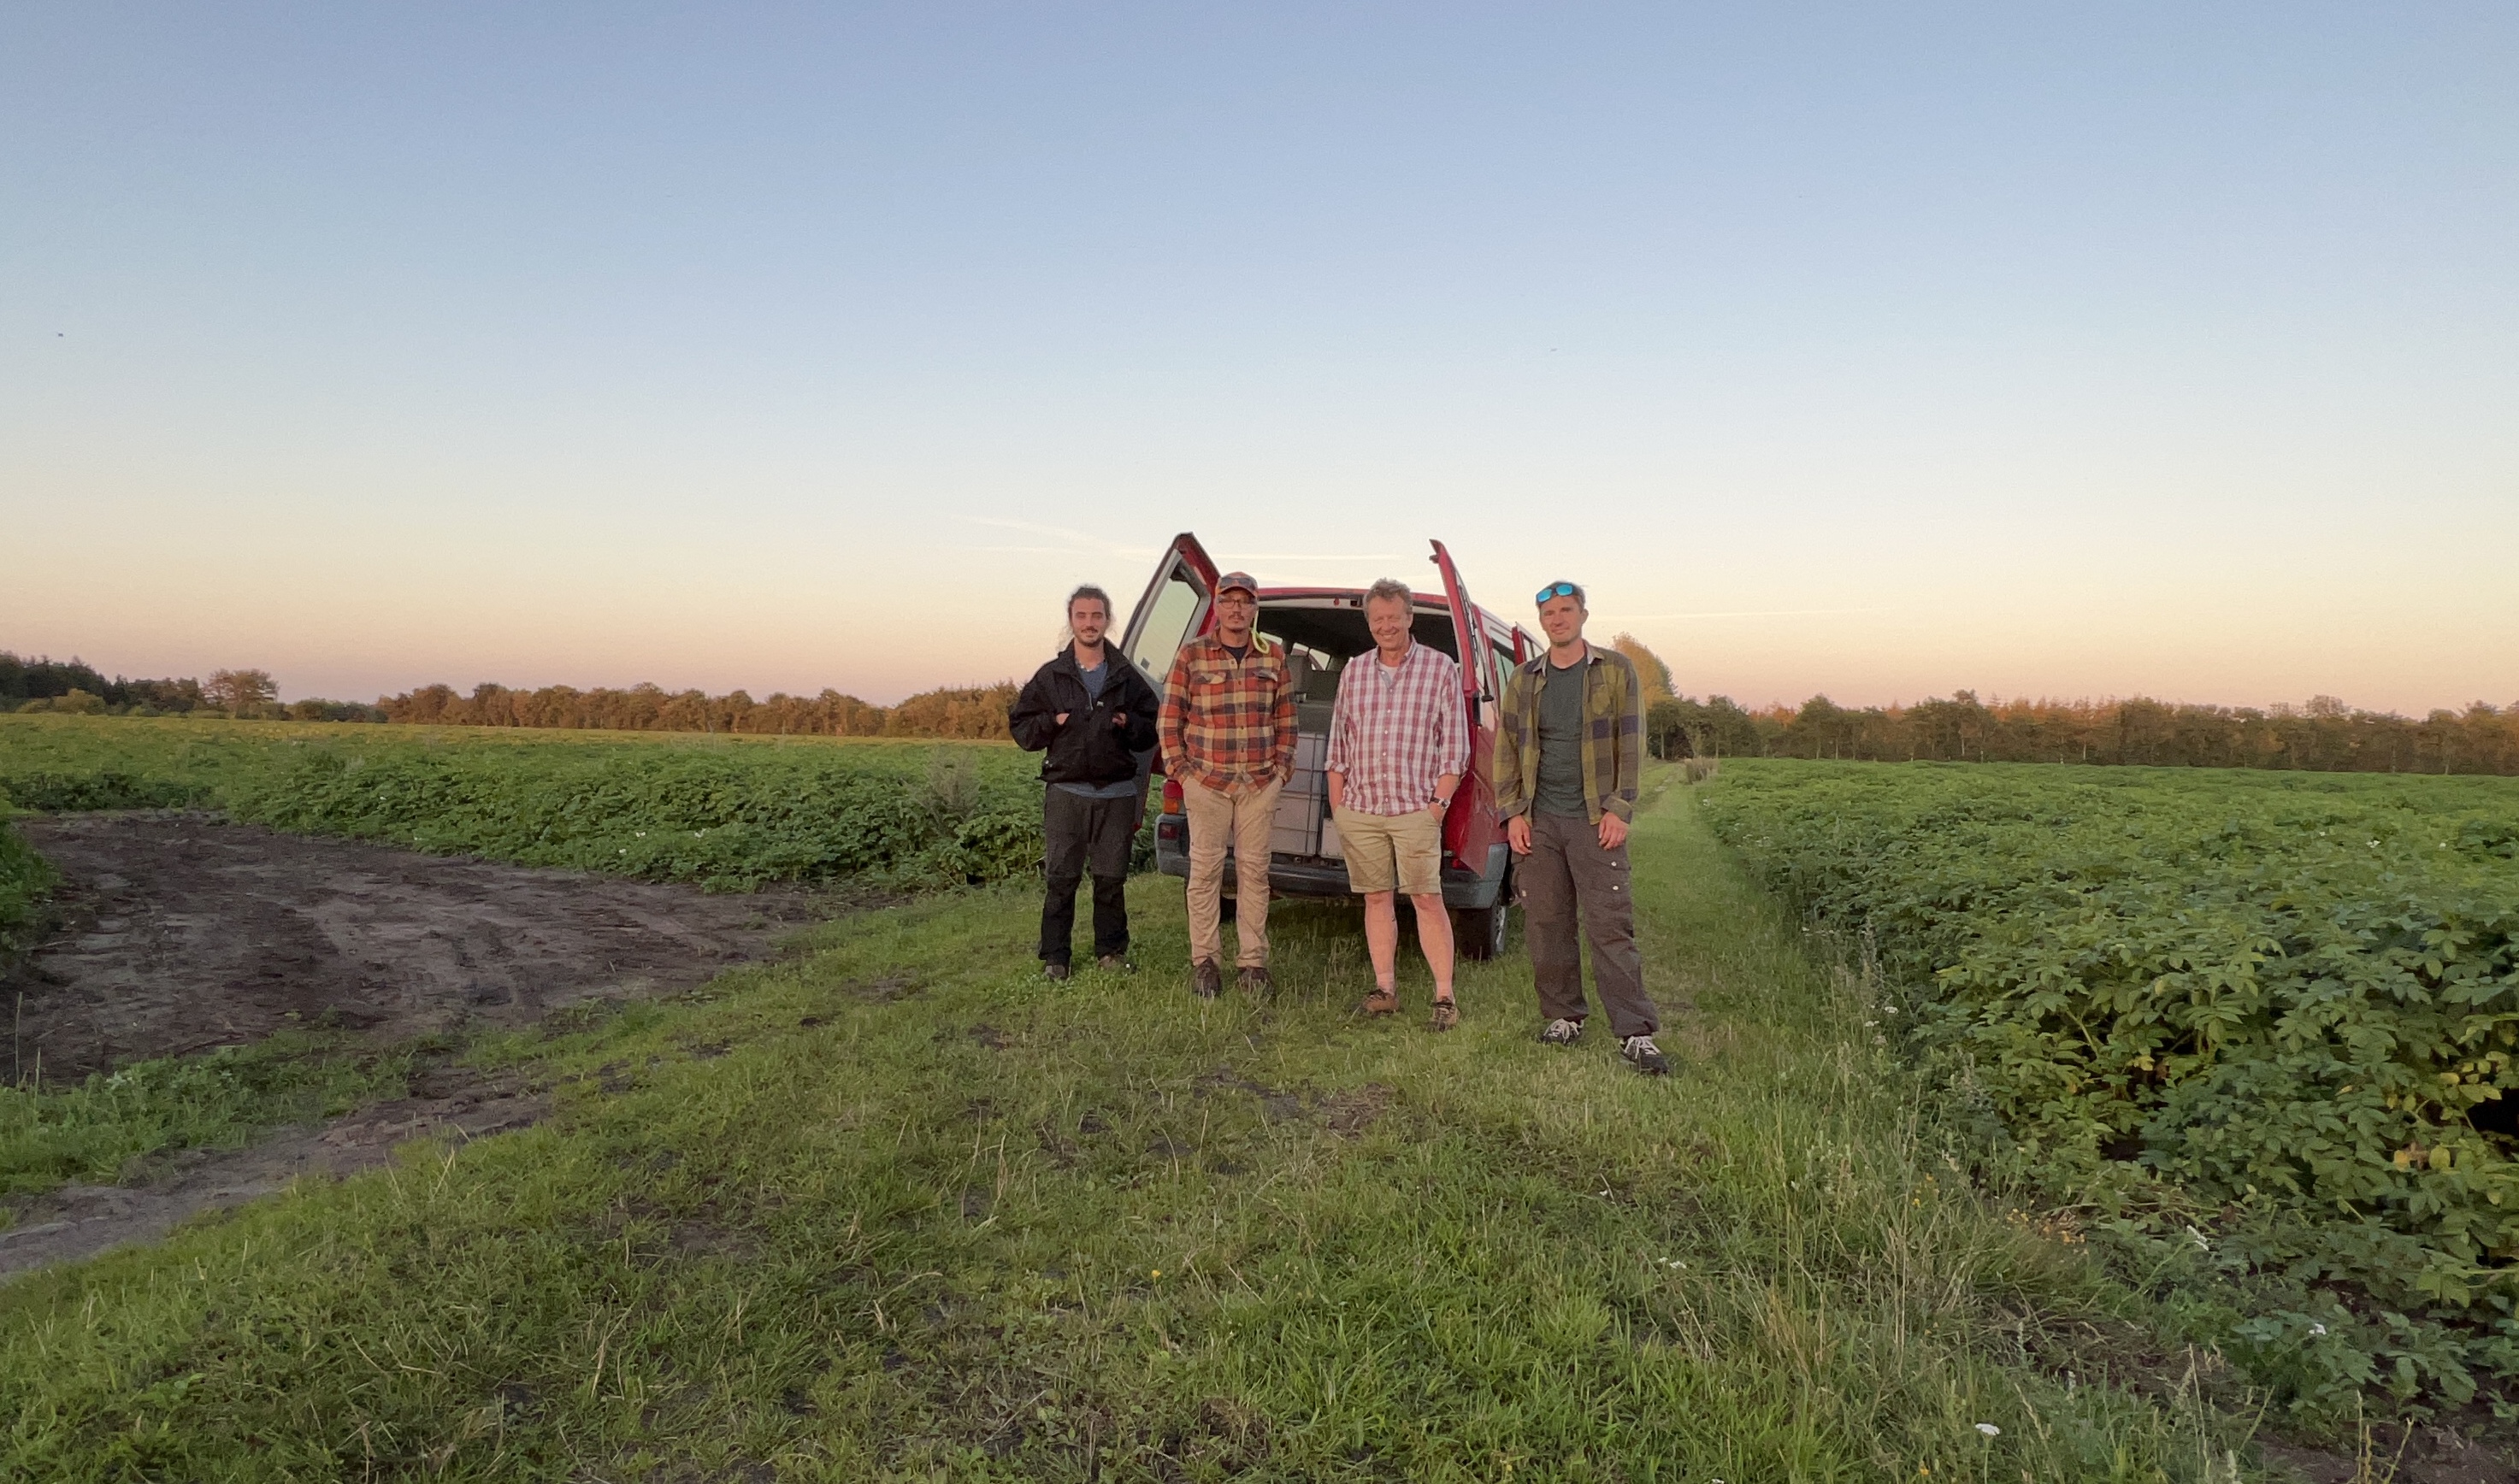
1871	354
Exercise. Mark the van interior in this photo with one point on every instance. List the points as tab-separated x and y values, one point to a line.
1322	634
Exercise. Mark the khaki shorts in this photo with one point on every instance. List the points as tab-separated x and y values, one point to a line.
1386	853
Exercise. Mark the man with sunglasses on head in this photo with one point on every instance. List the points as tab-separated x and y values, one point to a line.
1091	712
1569	744
1228	734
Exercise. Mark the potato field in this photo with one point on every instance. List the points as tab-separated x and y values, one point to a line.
721	813
22	878
2274	1016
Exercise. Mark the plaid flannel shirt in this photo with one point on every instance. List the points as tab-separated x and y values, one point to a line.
1613	736
1395	734
1229	724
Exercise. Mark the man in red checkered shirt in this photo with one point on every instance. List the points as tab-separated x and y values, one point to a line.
1227	727
1399	741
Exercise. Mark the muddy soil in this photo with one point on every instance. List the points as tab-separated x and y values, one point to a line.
179	932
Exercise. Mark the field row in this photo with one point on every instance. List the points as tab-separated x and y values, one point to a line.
2286	1007
721	813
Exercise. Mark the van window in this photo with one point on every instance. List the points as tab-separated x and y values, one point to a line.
1167	626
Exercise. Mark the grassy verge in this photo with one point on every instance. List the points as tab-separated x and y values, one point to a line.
100	1130
898	1209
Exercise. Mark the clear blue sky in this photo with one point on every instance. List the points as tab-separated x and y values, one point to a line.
1876	351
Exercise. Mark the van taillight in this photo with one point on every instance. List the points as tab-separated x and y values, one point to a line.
1171	797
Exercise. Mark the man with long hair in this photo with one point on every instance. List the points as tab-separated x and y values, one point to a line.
1091	712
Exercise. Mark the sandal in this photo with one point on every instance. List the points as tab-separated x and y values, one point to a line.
1381	1002
1446	1015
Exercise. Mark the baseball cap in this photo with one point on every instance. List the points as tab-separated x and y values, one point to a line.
1232	580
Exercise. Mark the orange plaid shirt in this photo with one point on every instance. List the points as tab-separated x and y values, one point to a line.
1228	724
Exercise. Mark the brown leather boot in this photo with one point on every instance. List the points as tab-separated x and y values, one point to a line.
1206	981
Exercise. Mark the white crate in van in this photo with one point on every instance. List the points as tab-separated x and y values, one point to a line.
1297	828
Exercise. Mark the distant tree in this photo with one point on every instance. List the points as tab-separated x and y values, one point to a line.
1649	668
240	691
42	679
1683	726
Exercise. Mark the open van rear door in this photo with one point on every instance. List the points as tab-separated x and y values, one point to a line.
1174	608
1471	835
1469	629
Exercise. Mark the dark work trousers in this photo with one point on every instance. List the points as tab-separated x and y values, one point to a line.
1565	875
1087	832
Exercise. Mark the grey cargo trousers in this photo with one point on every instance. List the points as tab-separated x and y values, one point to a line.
1568	881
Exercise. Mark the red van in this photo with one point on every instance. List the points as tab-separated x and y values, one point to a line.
1323	628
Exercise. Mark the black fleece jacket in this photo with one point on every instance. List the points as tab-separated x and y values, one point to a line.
1103	735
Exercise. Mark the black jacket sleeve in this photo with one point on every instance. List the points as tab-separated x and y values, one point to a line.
1143	704
1034	718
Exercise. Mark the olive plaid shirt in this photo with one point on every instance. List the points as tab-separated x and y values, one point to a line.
1613	736
1229	724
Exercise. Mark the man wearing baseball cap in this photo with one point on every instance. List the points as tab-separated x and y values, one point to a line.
1228	739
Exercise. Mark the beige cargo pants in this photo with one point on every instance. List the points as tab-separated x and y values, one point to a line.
1243	821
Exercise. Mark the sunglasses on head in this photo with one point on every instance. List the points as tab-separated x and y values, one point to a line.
1558	589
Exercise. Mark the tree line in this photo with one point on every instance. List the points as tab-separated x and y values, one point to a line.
2325	736
972	712
75	687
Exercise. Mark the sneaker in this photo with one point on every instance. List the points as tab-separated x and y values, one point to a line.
1563	1033
1256	981
1053	972
1647	1056
1114	963
1381	1002
1446	1015
1206	981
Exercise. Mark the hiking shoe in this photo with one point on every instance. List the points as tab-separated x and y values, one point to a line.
1380	1002
1647	1056
1206	981
1053	972
1563	1033
1116	963
1256	981
1446	1015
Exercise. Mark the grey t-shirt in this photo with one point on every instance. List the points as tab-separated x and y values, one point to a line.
1561	743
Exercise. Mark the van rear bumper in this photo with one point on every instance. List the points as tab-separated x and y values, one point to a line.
1316	876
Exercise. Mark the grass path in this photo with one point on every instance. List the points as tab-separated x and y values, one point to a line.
899	1210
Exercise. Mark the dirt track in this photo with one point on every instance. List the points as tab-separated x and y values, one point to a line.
79	1221
180	931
